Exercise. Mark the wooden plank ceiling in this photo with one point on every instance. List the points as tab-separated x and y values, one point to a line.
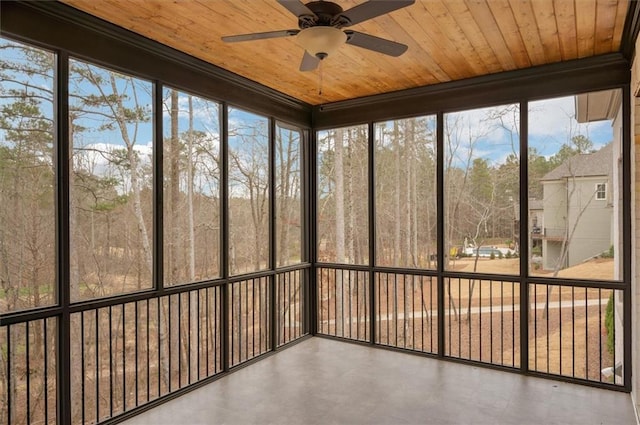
448	40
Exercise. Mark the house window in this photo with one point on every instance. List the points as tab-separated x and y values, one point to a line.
601	191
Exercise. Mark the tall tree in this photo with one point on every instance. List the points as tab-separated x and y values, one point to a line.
288	194
190	199
248	174
174	188
26	177
578	144
27	212
106	104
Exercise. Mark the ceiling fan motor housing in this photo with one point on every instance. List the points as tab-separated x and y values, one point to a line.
328	14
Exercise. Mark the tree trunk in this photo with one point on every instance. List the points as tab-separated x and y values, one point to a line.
413	201
396	195
174	189
74	269
135	182
349	207
410	206
192	237
74	283
339	216
284	196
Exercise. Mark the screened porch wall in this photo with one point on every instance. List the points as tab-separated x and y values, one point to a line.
104	357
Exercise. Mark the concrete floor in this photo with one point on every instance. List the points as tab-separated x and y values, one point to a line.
321	381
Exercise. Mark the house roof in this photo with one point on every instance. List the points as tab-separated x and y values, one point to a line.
598	163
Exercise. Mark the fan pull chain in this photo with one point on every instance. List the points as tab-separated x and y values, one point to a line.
320	79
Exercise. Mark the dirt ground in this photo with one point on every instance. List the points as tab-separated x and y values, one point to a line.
600	268
569	338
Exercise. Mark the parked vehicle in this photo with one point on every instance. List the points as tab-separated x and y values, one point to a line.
488	251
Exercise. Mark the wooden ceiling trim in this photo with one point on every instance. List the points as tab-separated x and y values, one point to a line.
335	80
503	15
482	13
606	12
631	31
544	14
150	22
249	16
463	46
88	37
401	76
448	40
472	31
206	17
139	15
233	21
585	26
528	28
190	17
618	29
374	67
390	28
352	59
436	46
559	79
566	20
270	67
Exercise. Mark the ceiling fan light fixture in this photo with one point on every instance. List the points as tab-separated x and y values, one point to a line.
321	41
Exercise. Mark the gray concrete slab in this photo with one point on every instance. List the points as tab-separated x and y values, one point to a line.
322	381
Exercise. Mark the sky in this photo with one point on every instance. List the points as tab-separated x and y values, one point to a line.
477	132
551	122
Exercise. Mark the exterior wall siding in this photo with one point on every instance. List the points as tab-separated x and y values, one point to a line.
555	223
591	235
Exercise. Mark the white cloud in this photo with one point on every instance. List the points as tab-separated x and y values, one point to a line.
552	123
557	116
101	159
548	117
489	133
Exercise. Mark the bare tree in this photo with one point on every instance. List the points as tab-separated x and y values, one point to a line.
571	185
174	188
27	256
338	139
190	207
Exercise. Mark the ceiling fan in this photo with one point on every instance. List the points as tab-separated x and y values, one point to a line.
320	26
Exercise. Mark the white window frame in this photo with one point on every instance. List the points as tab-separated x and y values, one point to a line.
601	195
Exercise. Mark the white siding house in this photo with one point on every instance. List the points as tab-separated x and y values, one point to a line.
577	209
